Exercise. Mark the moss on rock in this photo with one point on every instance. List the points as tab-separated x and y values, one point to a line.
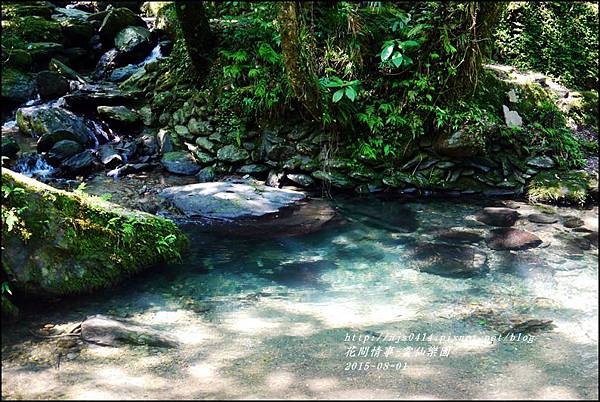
59	243
570	187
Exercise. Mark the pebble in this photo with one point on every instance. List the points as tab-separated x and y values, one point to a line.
71	356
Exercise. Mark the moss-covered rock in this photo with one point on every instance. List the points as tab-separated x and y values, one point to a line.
570	187
60	243
17	86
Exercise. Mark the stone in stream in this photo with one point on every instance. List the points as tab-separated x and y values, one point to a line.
65	71
542	218
301	179
117	19
572	222
53	124
512	239
51	85
227	200
449	260
133	43
301	274
459	236
119	114
86	99
180	162
165	144
17	86
107	331
495	216
109	157
79	163
274	179
64	149
41	51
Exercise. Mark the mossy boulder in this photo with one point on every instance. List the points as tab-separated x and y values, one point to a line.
17	86
53	124
133	43
61	243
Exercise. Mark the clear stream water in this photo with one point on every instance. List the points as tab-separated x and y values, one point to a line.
292	317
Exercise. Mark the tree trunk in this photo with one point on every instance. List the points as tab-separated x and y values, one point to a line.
483	17
195	29
299	70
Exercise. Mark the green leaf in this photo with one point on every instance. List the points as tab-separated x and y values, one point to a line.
387	52
409	43
397	59
351	93
338	95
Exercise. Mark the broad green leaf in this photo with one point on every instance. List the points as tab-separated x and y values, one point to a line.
409	43
397	59
338	95
351	93
387	52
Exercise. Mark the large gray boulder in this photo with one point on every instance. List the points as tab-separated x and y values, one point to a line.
229	200
133	43
117	19
53	124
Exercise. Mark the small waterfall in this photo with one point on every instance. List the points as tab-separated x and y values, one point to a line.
34	165
154	55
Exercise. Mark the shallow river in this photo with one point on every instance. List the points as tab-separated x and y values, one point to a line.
343	312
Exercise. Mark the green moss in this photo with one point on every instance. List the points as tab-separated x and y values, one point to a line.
79	243
20	31
560	187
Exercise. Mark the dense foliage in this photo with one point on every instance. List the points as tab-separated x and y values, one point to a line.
558	38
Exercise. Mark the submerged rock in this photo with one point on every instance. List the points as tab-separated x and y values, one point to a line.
107	331
494	216
449	260
226	200
72	244
512	239
542	218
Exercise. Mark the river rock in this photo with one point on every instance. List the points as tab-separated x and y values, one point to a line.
511	117
449	260
512	239
10	147
17	86
572	222
180	162
543	162
252	169
205	144
226	200
53	124
44	51
542	218
335	179
303	180
122	73
457	144
117	19
65	71
109	157
64	149
107	331
165	144
77	32
459	236
51	85
494	216
86	99
232	154
206	175
133	43
80	163
119	114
